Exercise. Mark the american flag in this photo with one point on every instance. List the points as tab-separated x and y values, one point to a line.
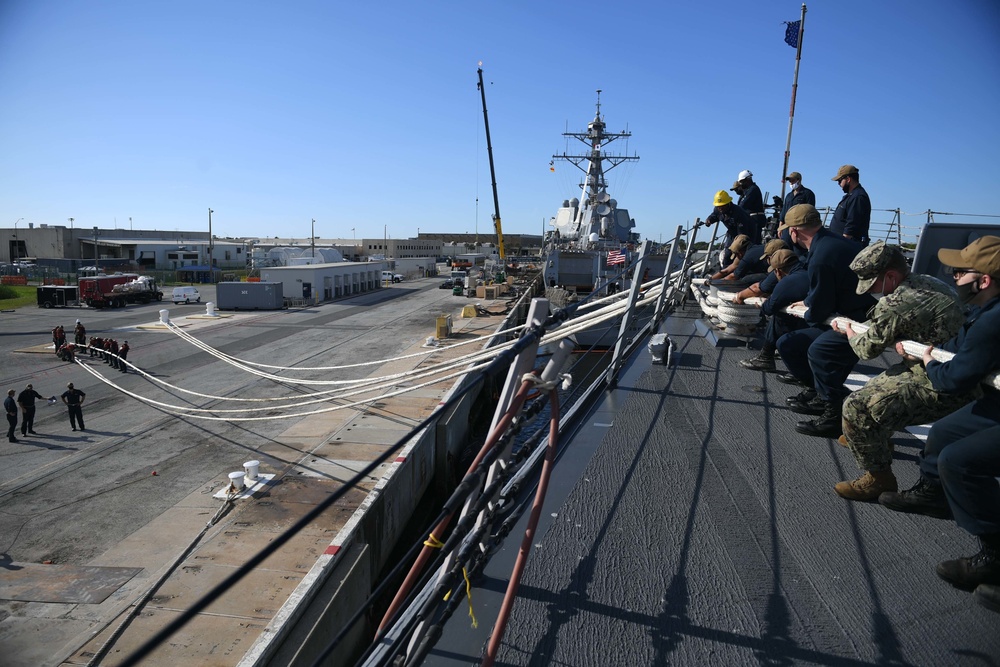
792	33
616	257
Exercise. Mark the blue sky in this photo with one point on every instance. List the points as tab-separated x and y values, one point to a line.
366	115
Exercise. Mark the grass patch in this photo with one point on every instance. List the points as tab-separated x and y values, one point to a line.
17	296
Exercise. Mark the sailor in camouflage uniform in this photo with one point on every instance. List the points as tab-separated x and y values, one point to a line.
912	307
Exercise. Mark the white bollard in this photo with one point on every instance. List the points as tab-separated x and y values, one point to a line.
250	469
210	309
165	316
236	481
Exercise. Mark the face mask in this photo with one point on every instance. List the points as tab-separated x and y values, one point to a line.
794	185
968	291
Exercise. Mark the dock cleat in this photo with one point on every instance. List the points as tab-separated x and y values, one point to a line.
925	497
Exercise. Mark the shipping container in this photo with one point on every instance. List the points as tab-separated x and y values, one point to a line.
57	296
249	296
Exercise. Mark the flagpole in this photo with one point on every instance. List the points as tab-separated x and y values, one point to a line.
791	109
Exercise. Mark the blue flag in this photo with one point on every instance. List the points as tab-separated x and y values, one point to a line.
792	34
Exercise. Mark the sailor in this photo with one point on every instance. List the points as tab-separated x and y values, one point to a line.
961	460
816	356
799	194
734	218
854	212
752	201
792	285
748	261
910	307
769	281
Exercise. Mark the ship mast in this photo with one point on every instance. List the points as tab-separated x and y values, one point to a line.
595	186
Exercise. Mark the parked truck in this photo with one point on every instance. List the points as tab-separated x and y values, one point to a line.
99	291
141	290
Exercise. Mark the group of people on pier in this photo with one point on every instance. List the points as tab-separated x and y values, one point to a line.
861	299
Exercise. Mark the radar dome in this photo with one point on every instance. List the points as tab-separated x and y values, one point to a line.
594	237
574	202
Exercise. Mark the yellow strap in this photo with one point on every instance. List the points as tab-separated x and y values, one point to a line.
433	542
468	595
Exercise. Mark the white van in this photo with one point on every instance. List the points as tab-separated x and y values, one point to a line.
186	295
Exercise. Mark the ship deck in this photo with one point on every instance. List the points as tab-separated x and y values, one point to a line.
688	523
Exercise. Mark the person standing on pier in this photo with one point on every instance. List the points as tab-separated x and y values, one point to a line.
73	398
11	407
26	399
122	355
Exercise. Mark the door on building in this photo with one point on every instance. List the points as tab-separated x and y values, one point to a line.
307	290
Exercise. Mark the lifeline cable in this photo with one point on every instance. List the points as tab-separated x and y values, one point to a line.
531	334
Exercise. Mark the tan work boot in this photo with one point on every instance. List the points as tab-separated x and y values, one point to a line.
868	486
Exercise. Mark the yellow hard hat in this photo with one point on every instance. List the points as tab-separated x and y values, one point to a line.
722	198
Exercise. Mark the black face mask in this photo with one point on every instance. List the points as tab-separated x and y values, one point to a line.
968	291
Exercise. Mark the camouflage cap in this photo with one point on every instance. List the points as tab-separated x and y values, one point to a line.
783	259
846	170
740	244
871	262
801	215
772	247
982	255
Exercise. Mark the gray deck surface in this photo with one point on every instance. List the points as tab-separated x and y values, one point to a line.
704	530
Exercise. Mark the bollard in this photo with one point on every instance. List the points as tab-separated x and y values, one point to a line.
210	309
165	316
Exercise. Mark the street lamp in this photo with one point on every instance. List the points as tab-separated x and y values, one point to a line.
71	223
211	276
312	239
17	248
97	255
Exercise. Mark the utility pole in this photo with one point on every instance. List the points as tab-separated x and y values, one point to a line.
211	273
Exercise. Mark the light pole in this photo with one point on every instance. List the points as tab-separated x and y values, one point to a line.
312	239
211	273
97	256
130	223
17	248
71	223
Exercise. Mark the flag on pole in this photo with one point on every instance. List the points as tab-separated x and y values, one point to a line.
616	257
792	33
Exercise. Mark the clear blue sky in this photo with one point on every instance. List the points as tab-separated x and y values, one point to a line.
366	115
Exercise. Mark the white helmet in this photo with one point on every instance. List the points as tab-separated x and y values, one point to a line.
746	173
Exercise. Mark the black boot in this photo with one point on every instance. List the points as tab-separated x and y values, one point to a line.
988	596
983	568
762	362
803	396
925	497
827	425
788	378
814	406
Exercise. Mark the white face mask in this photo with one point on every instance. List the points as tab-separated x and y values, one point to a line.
794	185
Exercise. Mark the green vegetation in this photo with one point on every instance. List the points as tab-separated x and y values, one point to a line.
15	296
